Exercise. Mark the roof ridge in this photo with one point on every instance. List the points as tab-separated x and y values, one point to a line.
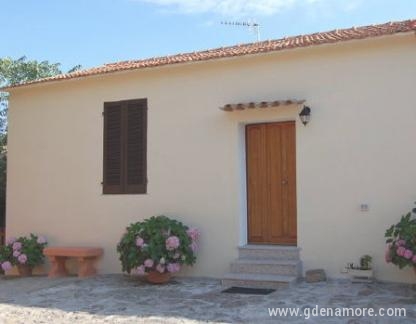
286	42
337	30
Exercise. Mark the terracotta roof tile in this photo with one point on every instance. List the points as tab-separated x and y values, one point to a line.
261	105
338	35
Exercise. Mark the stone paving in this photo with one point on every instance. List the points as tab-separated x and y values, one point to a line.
124	299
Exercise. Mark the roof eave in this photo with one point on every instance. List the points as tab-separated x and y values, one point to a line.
46	82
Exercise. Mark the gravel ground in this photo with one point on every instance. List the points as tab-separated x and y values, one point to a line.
123	299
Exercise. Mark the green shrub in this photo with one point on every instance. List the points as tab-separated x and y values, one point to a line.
401	241
22	250
158	243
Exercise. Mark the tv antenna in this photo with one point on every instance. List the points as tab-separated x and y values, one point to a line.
252	26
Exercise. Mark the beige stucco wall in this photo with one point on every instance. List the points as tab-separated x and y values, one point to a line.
358	148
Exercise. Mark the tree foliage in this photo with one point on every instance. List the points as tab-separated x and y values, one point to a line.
21	70
14	72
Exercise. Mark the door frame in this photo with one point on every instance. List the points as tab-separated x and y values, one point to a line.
245	180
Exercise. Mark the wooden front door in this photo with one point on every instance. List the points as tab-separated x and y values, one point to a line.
271	183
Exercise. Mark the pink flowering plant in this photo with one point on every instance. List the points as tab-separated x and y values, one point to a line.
157	244
401	242
22	250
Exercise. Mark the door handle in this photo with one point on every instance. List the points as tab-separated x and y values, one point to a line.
284	182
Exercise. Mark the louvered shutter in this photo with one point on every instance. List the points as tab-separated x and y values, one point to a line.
135	146
125	147
113	155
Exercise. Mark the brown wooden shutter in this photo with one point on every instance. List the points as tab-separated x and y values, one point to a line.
125	151
113	178
136	157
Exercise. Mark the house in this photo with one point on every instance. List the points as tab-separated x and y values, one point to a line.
214	138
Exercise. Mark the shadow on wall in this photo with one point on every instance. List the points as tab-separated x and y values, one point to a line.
2	235
2	223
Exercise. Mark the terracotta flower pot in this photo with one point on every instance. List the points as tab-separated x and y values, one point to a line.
155	277
24	270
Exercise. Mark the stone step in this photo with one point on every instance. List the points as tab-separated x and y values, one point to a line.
260	266
251	280
269	252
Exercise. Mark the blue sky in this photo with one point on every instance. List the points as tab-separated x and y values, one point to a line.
93	32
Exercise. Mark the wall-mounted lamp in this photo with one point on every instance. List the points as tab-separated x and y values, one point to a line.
305	115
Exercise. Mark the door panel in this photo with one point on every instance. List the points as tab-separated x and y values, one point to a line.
274	174
271	183
256	180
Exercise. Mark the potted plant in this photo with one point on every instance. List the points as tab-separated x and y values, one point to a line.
362	272
401	242
158	246
365	262
23	252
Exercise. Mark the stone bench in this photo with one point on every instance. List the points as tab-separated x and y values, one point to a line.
86	257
